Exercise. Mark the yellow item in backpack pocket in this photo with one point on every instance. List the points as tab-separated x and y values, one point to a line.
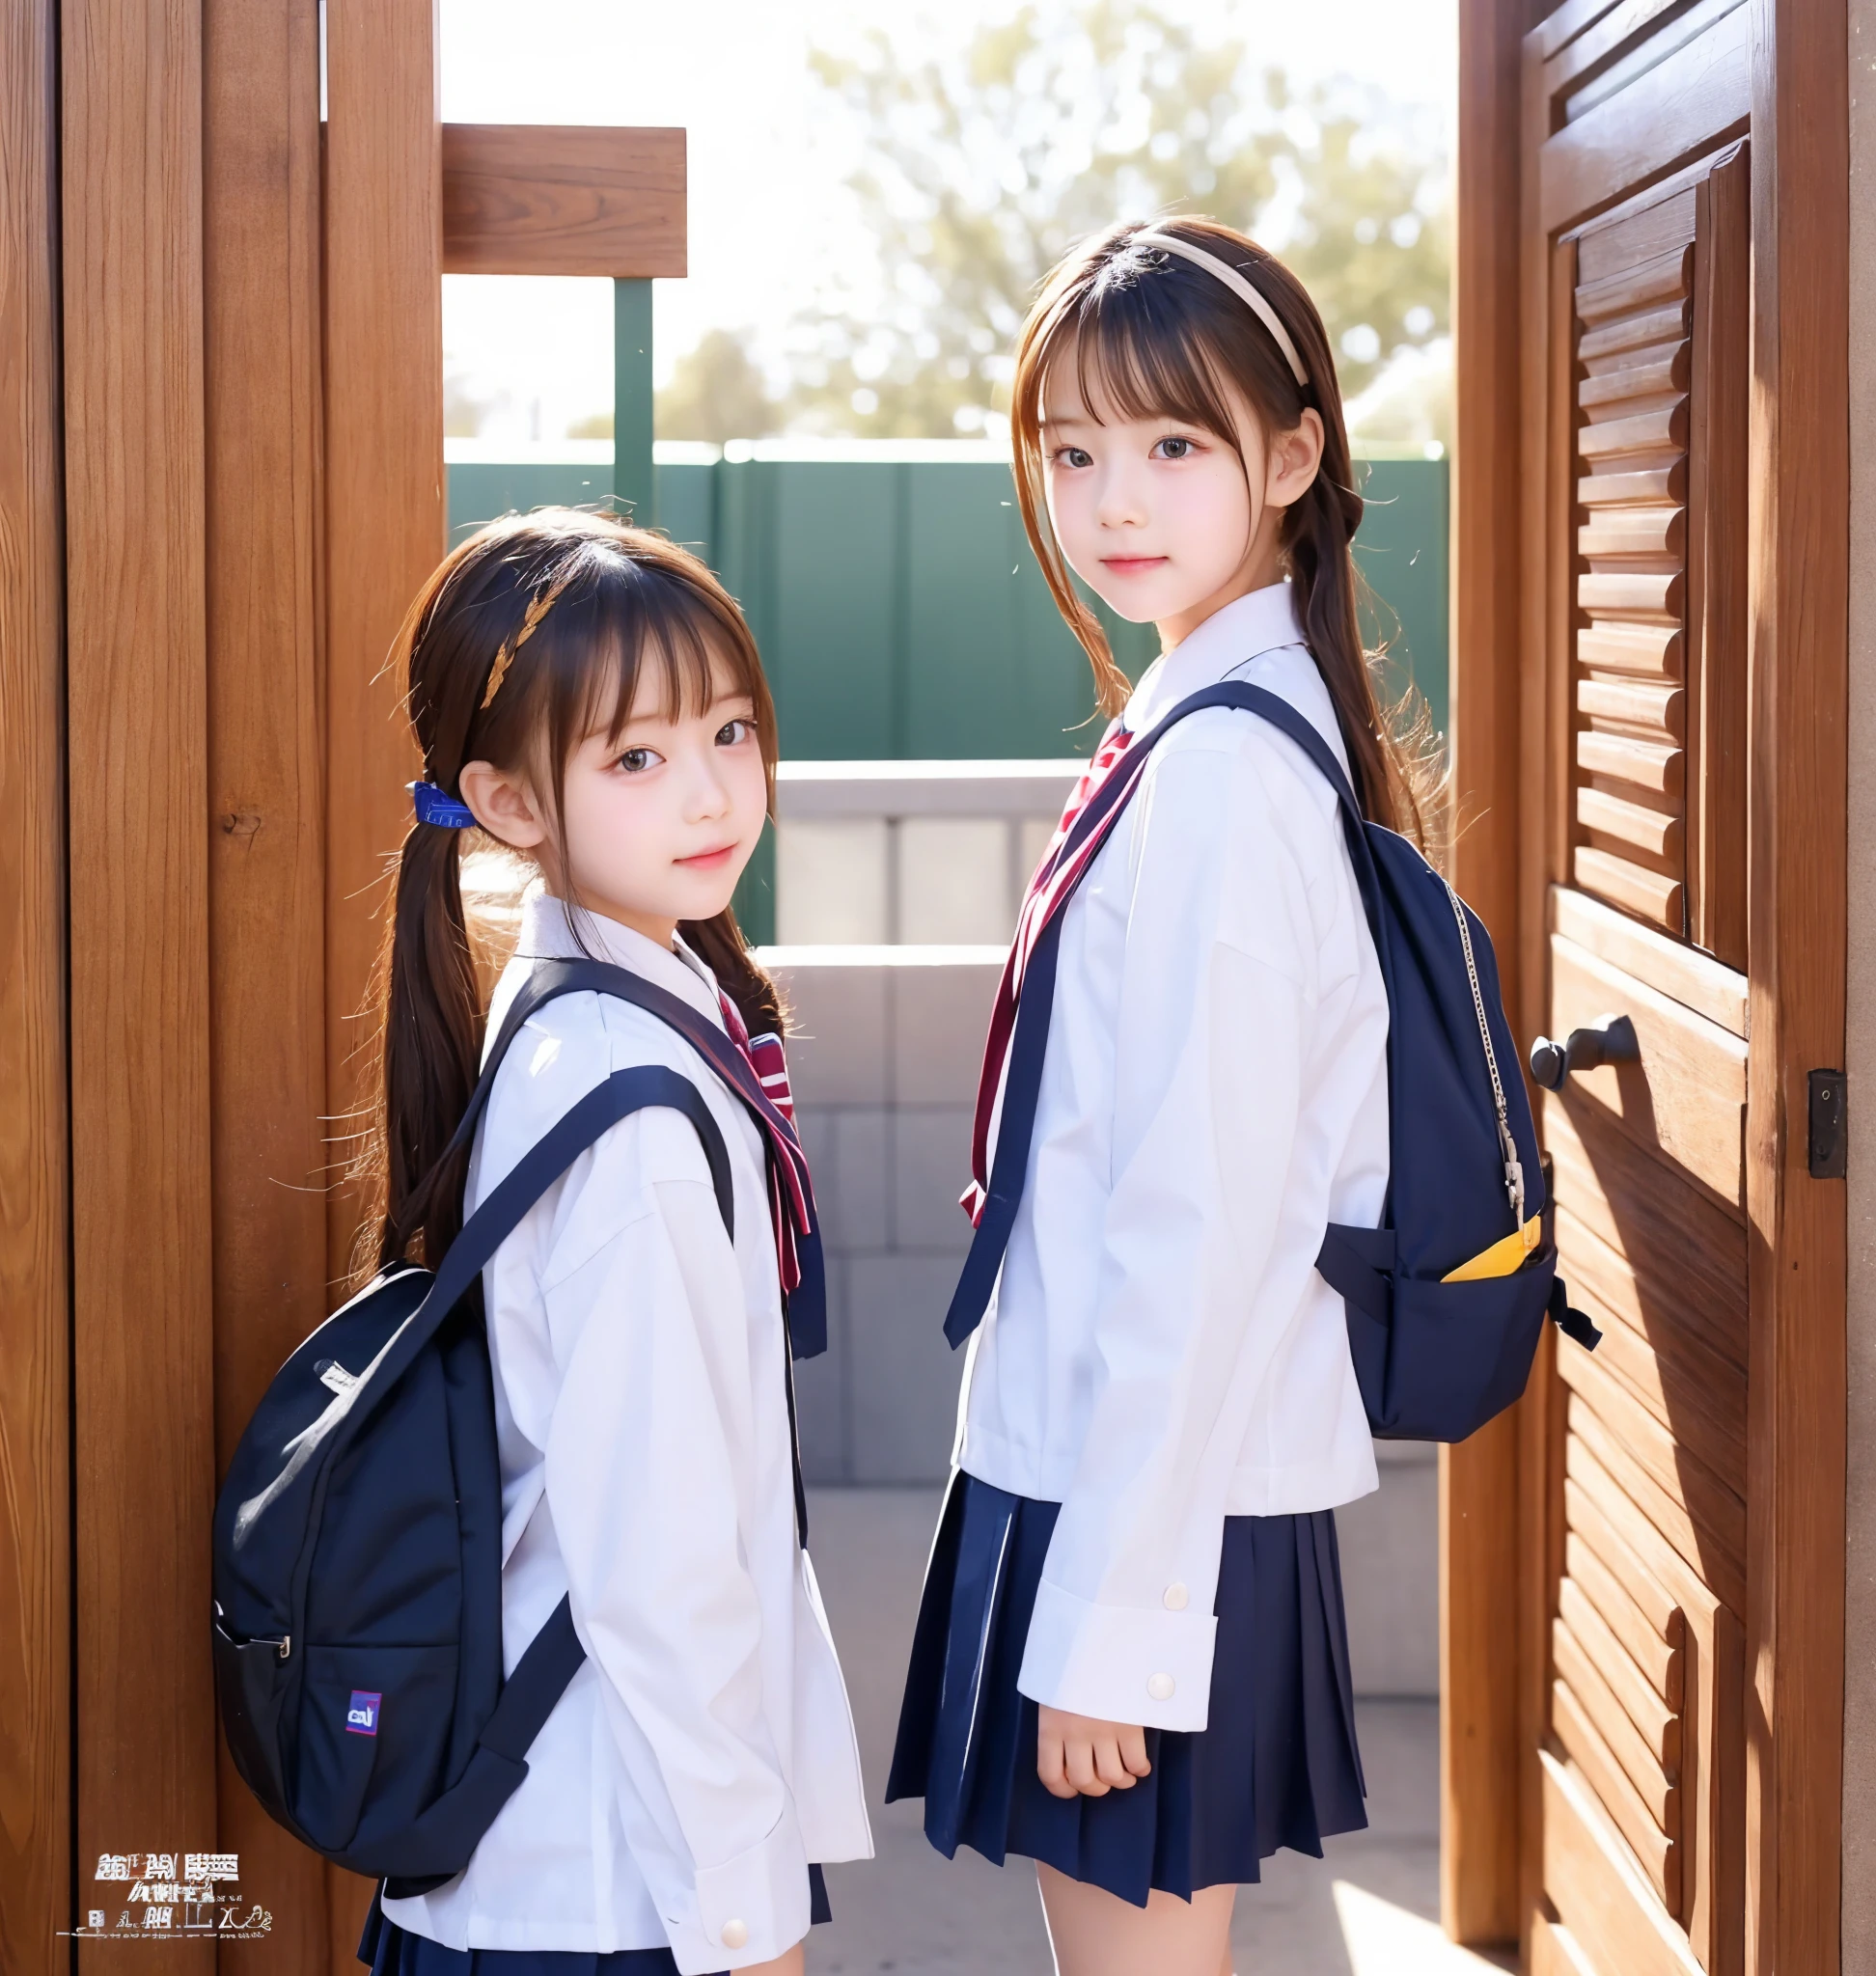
1503	1258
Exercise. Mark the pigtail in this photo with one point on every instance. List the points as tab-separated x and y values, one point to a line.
1318	538
432	1018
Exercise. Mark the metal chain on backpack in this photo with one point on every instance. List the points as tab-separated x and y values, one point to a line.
1514	1184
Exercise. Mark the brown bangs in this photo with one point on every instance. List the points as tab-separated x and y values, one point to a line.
1130	351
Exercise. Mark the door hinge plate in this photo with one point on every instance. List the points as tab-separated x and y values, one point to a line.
1829	1129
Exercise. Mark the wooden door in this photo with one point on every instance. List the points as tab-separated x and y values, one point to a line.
1669	850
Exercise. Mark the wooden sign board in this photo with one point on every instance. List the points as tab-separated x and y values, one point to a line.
554	199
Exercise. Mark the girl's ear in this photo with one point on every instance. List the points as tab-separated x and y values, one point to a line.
1293	460
503	805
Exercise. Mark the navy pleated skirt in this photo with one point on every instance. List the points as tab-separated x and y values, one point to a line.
1275	1765
393	1951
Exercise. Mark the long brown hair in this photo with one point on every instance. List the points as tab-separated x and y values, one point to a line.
1160	336
623	599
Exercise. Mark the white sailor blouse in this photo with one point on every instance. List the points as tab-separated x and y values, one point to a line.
705	1753
1160	1353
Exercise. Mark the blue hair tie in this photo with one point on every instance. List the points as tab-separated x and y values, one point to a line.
438	807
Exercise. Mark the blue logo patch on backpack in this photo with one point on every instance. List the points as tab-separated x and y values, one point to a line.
362	1712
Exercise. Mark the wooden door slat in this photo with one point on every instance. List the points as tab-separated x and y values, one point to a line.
1656	1716
1663	377
1556	1952
1710	1540
1682	1245
1657	595
1699	1397
1661	430
1606	1527
1616	488
1670	966
1650	830
1654	280
1650	1766
1687	1095
1601	1892
1635	333
1562	23
1657	765
1657	1852
1694	97
1634	531
1709	1498
1601	1506
1647	893
1641	648
1657	1645
1662	708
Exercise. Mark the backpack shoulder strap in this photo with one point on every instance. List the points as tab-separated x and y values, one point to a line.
1279	713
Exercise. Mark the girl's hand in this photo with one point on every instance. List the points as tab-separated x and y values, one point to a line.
1080	1755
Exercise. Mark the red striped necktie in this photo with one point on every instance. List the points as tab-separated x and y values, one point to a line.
1053	881
765	1057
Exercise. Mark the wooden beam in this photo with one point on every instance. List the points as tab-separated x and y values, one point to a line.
384	530
1799	562
267	904
35	1312
141	1229
559	199
1479	1479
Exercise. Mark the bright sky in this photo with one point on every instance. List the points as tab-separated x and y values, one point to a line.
768	204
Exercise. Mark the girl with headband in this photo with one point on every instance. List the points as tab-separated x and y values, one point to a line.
1131	1665
589	696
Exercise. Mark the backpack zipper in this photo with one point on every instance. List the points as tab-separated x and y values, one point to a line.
1514	1186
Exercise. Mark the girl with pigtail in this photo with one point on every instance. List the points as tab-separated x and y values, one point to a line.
587	695
1131	1663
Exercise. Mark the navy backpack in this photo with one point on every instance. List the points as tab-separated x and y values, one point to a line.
357	1538
1436	1356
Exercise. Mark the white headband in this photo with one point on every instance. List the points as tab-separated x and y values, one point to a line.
1237	285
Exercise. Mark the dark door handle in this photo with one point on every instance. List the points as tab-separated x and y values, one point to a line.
1609	1040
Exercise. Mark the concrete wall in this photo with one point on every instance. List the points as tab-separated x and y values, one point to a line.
1860	1612
885	1066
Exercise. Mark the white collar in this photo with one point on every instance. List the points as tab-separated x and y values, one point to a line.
549	931
1249	626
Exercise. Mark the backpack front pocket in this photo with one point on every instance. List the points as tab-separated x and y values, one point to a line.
373	1717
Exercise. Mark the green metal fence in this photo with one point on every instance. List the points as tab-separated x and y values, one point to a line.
900	611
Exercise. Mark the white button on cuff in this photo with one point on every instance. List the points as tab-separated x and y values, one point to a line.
1177	1597
1160	1686
736	1934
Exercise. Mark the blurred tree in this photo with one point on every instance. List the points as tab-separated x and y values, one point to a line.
980	169
717	392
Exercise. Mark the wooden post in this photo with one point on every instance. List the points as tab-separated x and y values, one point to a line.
35	1394
1478	1479
141	1229
267	904
1799	530
385	527
384	507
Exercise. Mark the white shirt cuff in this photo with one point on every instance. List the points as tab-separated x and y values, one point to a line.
750	1909
1119	1664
